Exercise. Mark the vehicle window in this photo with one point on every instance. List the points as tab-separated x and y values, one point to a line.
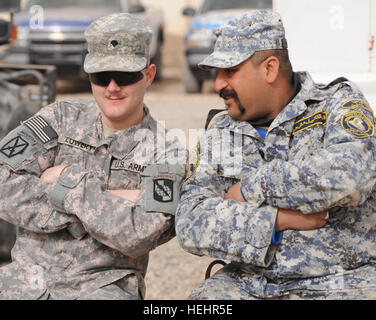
210	5
79	4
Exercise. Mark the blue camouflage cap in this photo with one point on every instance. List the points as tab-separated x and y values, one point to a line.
240	38
117	42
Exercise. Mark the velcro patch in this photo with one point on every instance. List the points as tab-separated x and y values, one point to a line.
357	104
357	124
318	118
76	144
163	189
127	165
14	147
41	129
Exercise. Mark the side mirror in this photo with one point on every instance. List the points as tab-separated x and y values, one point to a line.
189	11
137	8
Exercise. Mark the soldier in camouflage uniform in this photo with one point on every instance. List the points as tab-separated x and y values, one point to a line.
85	182
295	214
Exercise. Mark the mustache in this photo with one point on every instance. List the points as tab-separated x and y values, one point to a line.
224	94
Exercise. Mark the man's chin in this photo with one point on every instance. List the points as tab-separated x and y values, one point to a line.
234	112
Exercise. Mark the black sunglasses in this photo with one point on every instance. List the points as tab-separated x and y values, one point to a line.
103	79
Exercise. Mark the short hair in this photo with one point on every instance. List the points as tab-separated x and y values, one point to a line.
282	55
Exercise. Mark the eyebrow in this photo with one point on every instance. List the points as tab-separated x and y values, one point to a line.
230	69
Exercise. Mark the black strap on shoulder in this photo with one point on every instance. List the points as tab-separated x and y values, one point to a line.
212	113
336	81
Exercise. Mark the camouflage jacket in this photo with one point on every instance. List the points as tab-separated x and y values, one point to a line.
73	236
319	153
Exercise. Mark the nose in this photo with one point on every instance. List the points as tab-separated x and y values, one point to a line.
220	81
113	86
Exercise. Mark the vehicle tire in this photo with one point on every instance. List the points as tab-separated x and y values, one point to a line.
190	82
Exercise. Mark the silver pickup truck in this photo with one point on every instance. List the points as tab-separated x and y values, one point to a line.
51	32
200	37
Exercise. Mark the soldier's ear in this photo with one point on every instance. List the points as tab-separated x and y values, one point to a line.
151	70
271	69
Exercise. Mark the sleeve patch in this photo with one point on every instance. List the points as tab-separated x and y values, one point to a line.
14	147
41	129
357	104
357	124
163	189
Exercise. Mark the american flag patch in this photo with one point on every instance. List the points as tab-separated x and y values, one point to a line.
41	129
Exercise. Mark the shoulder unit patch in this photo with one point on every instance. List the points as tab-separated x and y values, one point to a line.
357	124
357	104
14	147
163	189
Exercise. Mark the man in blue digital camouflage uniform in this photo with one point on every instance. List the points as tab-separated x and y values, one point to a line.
295	214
